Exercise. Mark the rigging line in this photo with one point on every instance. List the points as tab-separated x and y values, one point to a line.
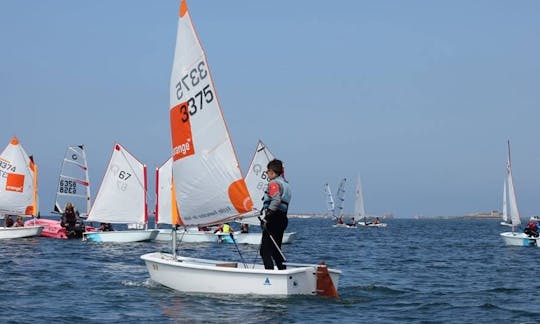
238	250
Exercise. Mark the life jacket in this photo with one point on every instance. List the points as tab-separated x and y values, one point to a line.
285	192
226	228
532	225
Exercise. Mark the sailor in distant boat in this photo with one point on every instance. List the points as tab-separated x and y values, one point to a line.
244	228
105	227
352	223
19	222
276	204
8	221
532	229
71	222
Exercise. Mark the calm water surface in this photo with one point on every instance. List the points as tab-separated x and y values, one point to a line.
423	271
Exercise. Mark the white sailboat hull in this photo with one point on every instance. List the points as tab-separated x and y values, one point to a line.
519	239
372	224
121	236
195	236
210	276
19	232
344	226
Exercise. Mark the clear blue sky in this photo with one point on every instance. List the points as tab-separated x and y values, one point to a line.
418	97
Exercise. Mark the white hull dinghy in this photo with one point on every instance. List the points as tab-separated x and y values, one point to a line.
207	276
513	238
19	194
121	199
208	189
20	232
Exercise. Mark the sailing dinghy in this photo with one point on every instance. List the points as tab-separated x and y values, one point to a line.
73	187
338	211
121	199
515	238
360	209
18	190
210	189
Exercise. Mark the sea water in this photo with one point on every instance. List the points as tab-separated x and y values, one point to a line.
423	271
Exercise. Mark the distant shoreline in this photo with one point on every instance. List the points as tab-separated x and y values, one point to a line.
469	216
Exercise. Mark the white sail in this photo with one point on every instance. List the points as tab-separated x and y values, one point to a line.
505	205
329	199
165	209
256	177
340	198
210	187
18	181
359	209
73	182
512	201
122	195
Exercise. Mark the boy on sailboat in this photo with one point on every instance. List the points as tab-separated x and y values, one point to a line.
276	203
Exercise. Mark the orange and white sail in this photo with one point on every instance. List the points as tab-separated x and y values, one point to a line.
122	195
208	182
166	210
18	181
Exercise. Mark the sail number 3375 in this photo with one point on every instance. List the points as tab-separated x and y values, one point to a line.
189	81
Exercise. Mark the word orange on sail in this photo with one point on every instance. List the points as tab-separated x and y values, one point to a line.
15	182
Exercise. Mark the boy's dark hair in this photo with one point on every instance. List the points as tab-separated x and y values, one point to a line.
276	166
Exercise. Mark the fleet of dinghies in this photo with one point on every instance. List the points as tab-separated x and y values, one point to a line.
359	216
209	189
18	190
198	188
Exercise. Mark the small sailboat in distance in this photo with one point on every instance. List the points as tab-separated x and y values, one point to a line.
338	216
515	238
360	209
210	189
